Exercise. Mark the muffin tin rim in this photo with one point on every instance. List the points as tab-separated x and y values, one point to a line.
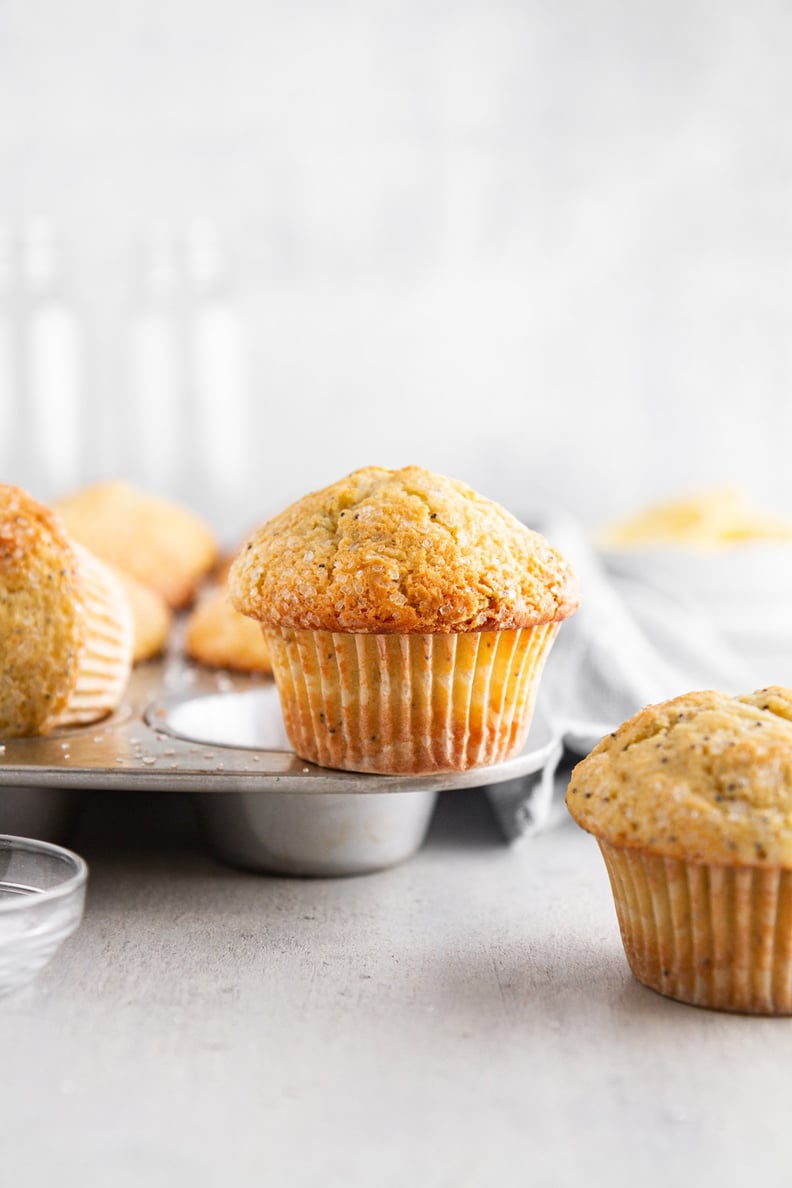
131	751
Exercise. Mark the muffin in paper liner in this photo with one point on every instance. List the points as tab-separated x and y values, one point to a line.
710	935
158	541
105	659
218	636
65	624
690	801
408	703
408	620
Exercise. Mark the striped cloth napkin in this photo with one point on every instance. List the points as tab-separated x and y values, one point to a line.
630	644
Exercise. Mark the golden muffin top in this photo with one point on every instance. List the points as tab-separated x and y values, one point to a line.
219	636
405	551
704	777
42	627
157	541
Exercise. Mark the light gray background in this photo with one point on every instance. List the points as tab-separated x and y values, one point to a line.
542	247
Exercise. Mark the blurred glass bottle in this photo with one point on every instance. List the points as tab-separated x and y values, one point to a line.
218	377
52	425
153	427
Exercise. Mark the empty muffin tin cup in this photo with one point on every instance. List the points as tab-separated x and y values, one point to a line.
302	833
42	897
327	832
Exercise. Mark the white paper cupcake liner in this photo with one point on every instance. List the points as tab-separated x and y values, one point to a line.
714	936
408	703
106	659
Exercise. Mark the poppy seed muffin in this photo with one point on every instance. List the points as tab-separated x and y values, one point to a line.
152	618
65	626
218	636
408	620
691	804
157	541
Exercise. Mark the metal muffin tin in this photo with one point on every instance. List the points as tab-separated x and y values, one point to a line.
220	738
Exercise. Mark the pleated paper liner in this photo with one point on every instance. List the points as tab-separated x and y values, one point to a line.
714	936
106	659
408	703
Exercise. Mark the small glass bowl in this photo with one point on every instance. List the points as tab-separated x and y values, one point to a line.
42	896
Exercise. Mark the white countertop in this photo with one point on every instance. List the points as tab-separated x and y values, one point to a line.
464	1019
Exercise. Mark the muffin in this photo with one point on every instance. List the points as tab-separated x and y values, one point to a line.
152	618
65	626
162	544
219	636
691	804
408	620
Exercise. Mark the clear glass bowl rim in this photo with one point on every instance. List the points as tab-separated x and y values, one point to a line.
9	841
